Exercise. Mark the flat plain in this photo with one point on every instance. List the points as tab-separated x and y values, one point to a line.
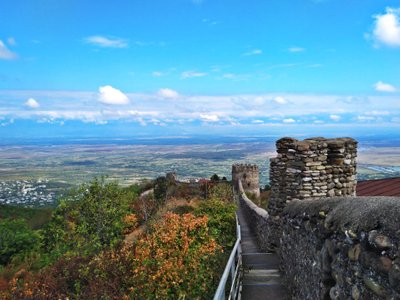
127	163
76	163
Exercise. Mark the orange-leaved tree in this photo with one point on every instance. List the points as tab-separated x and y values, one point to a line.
176	260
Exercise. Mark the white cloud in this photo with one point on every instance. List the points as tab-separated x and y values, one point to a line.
288	121
259	101
228	76
253	52
378	113
234	77
110	95
209	117
145	108
11	41
257	121
168	94
190	74
365	118
210	22
6	123
315	66
157	74
387	27
32	103
5	53
384	87
296	49
280	100
335	117
106	42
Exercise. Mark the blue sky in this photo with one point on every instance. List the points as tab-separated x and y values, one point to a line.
193	67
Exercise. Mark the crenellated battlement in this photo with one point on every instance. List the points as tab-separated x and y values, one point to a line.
249	175
311	169
244	168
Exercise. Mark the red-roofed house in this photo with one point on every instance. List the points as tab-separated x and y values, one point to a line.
379	187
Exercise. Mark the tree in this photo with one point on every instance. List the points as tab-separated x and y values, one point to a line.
91	219
215	177
16	238
160	190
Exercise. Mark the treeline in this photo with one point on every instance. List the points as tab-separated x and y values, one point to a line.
81	253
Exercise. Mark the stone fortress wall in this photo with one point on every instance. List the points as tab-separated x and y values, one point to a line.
342	248
311	169
332	245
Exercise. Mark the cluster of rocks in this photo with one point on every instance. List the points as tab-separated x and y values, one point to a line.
342	248
248	174
311	169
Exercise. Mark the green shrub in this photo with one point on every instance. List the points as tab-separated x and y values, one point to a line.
89	220
15	239
220	191
221	221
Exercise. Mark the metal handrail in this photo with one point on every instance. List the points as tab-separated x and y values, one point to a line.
233	268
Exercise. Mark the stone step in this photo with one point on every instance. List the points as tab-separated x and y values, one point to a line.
262	277
263	292
255	260
249	245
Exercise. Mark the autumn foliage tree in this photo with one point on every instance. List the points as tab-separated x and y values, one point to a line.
178	257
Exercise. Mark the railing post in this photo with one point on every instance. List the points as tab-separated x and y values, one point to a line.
233	268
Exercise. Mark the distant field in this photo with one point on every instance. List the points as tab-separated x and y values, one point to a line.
128	163
74	163
382	156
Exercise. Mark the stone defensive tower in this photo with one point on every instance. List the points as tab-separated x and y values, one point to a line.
310	169
249	175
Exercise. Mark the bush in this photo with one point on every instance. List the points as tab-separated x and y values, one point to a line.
91	219
220	191
16	239
180	257
221	221
183	209
176	260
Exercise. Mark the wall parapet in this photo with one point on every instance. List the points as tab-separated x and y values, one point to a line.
257	217
342	248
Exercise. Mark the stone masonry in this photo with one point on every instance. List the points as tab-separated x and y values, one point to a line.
311	169
249	176
342	248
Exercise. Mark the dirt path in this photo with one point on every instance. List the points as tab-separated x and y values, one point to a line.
130	237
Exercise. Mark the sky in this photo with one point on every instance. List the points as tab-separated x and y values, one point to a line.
187	67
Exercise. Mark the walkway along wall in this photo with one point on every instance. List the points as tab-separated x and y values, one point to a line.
330	247
335	248
257	217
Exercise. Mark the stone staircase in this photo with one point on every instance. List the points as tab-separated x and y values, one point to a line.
261	276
